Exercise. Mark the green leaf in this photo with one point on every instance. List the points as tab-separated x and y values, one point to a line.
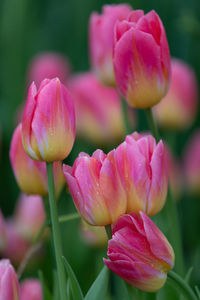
75	287
45	291
55	286
98	289
69	293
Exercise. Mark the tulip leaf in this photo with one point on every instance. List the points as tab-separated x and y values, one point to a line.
73	282
98	289
121	289
45	291
55	286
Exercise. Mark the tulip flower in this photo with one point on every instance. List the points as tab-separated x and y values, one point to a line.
95	187
142	167
2	232
48	125
141	59
139	252
101	33
30	289
29	215
16	245
48	65
99	116
179	107
192	163
9	286
30	174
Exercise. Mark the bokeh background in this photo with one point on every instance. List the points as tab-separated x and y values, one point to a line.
30	27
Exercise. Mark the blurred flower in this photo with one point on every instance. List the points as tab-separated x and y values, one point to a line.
29	215
139	252
174	172
101	33
16	245
48	65
99	115
30	289
95	187
141	59
142	167
93	235
2	232
9	286
179	107
48	125
192	163
31	175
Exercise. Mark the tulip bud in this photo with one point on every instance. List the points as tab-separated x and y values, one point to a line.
101	32
94	236
48	65
142	167
139	252
95	187
16	245
99	116
29	215
9	286
31	290
48	125
141	59
179	107
2	232
31	175
192	163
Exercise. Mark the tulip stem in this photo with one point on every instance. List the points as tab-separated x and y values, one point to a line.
170	207
127	125
56	233
108	231
152	123
182	285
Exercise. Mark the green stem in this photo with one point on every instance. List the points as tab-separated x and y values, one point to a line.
182	285
125	116
172	216
70	217
56	233
170	209
108	231
152	124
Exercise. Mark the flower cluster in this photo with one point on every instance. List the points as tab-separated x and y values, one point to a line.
122	188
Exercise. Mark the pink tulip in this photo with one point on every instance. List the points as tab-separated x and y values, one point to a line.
48	65
48	125
99	115
142	167
139	252
192	163
31	290
30	174
101	33
141	59
16	245
2	232
9	286
29	215
95	187
179	107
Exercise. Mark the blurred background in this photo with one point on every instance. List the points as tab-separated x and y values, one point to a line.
28	28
